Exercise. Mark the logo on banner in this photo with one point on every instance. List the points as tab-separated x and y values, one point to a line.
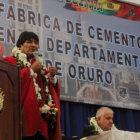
105	7
123	94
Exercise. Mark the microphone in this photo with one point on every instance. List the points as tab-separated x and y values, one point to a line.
38	56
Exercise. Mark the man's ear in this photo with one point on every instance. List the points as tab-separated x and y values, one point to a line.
99	118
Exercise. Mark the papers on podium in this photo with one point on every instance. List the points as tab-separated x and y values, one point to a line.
114	135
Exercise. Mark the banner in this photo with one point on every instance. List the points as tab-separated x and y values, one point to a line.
94	44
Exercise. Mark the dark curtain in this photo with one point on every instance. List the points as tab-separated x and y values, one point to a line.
74	116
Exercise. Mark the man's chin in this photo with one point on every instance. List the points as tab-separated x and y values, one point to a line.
31	55
109	128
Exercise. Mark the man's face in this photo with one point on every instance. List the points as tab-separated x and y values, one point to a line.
29	47
106	121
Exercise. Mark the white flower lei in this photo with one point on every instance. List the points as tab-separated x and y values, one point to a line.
22	61
97	128
93	122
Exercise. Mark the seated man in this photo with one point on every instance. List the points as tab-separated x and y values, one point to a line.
102	122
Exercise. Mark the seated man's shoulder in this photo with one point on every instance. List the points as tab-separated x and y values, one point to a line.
88	131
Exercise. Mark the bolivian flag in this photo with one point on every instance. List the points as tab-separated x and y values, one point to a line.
108	8
94	6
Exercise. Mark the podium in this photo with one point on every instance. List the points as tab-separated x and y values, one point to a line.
10	116
114	135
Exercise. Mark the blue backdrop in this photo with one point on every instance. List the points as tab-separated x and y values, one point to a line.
74	116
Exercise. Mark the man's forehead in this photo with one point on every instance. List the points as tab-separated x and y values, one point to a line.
108	114
32	39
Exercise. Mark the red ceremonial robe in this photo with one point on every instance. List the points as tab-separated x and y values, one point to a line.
32	120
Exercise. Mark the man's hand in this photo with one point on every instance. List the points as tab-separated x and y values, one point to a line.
52	71
36	67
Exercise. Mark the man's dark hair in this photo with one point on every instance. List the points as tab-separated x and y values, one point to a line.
24	36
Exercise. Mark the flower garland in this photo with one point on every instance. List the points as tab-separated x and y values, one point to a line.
46	105
95	127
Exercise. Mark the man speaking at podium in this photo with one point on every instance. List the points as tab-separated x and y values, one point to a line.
40	91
